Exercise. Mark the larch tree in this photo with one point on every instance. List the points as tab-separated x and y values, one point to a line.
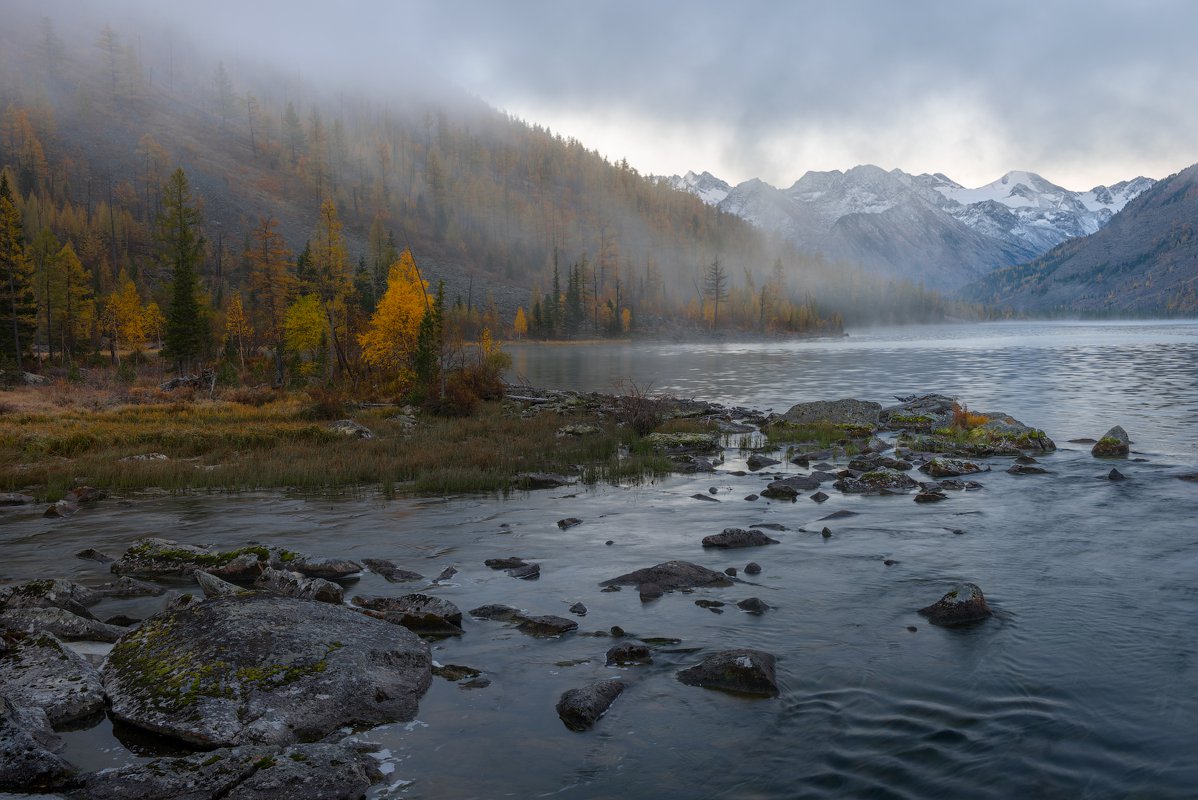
18	301
237	326
389	342
123	319
331	276
75	307
715	288
181	248
272	284
520	325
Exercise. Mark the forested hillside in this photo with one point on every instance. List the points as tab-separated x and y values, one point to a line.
532	234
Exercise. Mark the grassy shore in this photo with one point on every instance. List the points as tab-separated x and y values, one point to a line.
51	440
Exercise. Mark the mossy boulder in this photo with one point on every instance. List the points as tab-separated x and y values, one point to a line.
259	668
1115	443
857	413
882	480
684	443
950	467
961	605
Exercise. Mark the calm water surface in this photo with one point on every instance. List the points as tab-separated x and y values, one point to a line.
1084	684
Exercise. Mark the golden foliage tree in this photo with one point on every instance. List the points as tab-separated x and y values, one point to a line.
123	319
389	342
237	325
305	325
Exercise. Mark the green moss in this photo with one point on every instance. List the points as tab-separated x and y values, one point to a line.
297	756
910	419
266	762
208	762
823	434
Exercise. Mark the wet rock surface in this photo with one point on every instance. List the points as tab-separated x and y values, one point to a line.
738	537
40	672
28	761
421	613
293	584
961	605
389	571
745	671
671	575
879	481
205	674
1115	443
581	708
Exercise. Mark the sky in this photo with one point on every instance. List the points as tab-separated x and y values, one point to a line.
1081	92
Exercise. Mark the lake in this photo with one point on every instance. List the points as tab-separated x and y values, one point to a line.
1083	684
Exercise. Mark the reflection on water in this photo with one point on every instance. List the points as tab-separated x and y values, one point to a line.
1084	684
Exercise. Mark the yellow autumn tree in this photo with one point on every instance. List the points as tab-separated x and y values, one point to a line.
123	320
389	342
237	326
305	325
520	326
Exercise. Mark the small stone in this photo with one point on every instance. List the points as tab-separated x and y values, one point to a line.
505	563
455	672
705	603
890	562
616	631
713	490
930	497
480	682
752	568
730	571
912	628
1116	475
91	554
568	522
750	497
581	708
819	497
962	604
826	533
528	572
609	542
579	609
706	497
446	574
738	671
738	537
546	625
1025	469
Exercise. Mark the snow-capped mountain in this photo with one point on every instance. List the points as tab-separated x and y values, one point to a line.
866	215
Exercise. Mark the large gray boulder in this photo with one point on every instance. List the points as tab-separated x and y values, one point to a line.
671	575
879	481
738	671
862	413
27	744
38	671
164	558
260	668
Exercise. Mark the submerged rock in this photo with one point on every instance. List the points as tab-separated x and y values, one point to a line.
541	480
1115	443
789	488
40	672
962	604
389	571
455	672
568	522
498	613
671	575
546	625
1026	469
526	572
738	537
207	675
505	563
581	708
15	499
757	461
739	671
753	605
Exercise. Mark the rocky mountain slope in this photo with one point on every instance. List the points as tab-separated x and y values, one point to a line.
926	228
1145	261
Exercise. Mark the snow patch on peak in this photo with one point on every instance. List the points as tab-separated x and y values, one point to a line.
705	186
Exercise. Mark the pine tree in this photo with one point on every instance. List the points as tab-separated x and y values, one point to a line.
180	249
17	298
330	275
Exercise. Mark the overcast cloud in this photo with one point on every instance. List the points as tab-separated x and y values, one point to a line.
1081	92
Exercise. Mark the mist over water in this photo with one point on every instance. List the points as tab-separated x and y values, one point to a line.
1083	684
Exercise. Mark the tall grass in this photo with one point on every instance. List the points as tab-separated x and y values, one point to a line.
232	446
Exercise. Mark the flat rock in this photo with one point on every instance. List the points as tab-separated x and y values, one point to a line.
27	744
757	461
738	537
546	625
125	586
455	672
962	604
60	623
92	554
568	522
542	480
15	499
40	672
497	613
526	572
939	467
753	605
329	569
56	593
581	708
164	558
706	497
790	488
1026	469
213	586
351	429
749	672
206	674
684	443
505	563
389	571
671	575
1115	443
879	481
294	584
421	613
